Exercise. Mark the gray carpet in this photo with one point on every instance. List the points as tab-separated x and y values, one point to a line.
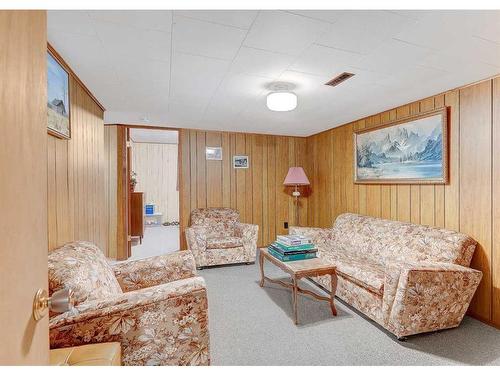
250	325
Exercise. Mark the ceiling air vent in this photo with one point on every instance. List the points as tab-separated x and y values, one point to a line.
339	79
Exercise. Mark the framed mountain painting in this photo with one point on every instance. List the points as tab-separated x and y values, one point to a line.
58	120
409	151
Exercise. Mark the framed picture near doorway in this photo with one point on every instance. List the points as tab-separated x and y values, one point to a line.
58	99
241	162
409	151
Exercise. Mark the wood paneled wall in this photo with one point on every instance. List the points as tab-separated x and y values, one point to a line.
76	168
257	192
156	168
469	203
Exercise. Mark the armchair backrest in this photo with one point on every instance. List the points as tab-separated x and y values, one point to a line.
220	222
82	267
384	241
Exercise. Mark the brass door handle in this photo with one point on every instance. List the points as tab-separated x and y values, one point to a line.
60	301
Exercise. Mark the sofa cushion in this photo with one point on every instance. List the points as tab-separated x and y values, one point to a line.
385	241
219	222
82	267
360	271
224	242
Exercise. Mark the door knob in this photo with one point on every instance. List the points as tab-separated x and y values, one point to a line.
60	301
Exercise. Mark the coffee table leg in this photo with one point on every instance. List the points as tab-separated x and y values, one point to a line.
261	265
295	319
332	293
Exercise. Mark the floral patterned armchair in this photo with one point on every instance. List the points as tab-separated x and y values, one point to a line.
408	278
216	237
155	307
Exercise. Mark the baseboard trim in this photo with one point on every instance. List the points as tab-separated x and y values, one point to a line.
482	320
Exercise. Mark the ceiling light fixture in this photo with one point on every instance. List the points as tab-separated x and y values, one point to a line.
281	99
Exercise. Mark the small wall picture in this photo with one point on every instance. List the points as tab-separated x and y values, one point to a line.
58	120
213	153
408	151
240	161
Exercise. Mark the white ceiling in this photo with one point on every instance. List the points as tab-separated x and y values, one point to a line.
139	135
211	69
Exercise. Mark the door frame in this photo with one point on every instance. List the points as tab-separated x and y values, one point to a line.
124	243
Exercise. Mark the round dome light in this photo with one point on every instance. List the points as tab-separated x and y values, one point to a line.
281	101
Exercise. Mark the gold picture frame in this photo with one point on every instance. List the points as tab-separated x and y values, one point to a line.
417	167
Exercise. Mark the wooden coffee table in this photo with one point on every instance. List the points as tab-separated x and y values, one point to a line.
297	270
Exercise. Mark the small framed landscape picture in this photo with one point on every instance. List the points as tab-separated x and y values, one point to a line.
58	105
409	151
213	153
240	161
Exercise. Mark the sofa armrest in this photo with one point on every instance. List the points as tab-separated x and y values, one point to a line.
249	234
427	296
162	325
321	237
144	273
196	237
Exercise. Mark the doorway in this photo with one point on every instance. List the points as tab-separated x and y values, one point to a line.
154	191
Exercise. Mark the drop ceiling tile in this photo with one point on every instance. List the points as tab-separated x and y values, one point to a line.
136	73
393	56
481	50
76	22
260	62
159	20
90	60
364	31
487	25
458	63
234	94
206	39
327	61
330	16
284	32
304	82
129	42
236	18
185	112
242	86
196	77
412	14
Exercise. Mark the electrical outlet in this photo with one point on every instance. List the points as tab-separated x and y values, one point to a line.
285	224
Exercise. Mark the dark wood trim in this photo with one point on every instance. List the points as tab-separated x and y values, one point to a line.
180	186
66	66
122	194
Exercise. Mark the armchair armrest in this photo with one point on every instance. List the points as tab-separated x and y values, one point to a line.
162	325
321	237
144	273
249	234
427	296
196	237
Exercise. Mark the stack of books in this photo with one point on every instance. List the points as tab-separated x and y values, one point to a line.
292	247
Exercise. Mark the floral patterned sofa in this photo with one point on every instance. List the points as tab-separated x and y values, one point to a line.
216	237
408	278
155	307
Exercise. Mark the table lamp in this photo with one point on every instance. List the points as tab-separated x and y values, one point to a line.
296	177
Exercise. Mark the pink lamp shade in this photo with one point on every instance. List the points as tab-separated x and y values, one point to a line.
296	176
